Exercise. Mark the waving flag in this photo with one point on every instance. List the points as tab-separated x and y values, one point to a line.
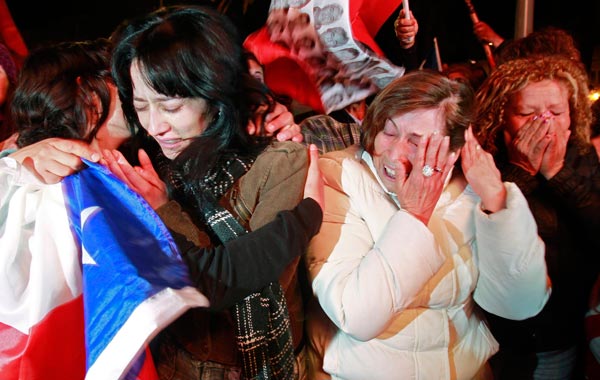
93	275
327	47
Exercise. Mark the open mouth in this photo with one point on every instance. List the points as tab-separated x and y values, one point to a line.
389	172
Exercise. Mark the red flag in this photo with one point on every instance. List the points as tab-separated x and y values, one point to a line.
27	355
330	45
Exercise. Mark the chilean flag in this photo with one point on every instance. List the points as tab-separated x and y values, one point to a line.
89	276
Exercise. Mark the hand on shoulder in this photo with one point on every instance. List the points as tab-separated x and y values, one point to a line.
53	159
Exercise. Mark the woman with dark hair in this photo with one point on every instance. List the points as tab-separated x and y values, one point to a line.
66	91
65	99
184	84
410	243
534	116
8	77
65	105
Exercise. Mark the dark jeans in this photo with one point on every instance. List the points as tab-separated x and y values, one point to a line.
175	363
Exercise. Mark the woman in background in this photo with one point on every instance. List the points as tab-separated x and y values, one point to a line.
410	243
534	116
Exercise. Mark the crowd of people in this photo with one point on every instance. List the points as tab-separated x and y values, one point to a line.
439	229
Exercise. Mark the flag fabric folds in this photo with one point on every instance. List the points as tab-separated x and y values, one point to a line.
322	53
90	275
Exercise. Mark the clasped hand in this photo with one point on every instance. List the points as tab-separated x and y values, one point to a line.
142	179
539	146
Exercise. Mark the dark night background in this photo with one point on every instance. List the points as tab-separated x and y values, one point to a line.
448	20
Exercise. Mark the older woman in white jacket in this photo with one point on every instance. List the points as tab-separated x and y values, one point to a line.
411	245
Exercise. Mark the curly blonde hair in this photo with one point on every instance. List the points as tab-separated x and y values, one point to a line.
513	76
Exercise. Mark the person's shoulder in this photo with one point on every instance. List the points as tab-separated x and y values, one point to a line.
333	164
346	171
284	147
351	154
281	157
320	125
279	151
318	122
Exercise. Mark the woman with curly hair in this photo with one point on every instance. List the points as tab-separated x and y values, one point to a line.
534	116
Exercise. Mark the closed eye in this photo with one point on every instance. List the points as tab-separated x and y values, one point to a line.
140	108
390	131
171	109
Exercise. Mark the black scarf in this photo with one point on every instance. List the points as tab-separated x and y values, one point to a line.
263	330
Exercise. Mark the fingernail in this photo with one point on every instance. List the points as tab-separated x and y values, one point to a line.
535	117
270	127
95	157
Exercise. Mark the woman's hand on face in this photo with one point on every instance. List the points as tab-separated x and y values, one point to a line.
280	122
142	179
553	158
314	186
419	191
53	159
527	147
482	174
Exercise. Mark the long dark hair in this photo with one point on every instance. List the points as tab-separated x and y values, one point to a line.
58	89
193	52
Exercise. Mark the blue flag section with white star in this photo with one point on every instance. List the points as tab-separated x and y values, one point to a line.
134	281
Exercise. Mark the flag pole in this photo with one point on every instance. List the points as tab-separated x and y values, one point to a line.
524	18
438	58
